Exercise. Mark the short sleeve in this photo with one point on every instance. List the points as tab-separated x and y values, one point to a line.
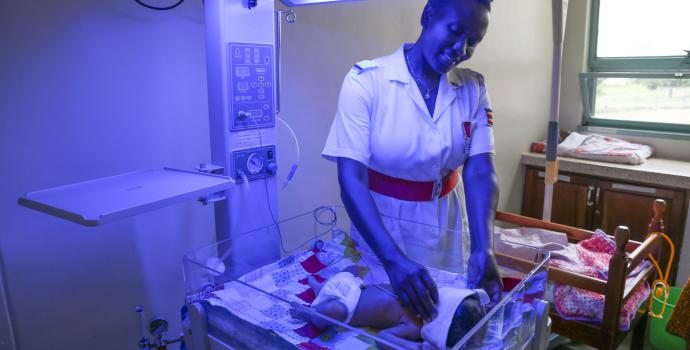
349	134
483	131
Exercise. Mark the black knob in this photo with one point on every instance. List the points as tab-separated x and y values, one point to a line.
252	4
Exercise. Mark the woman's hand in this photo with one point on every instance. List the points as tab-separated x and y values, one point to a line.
413	286
483	273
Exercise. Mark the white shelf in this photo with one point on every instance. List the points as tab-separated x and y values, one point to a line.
104	200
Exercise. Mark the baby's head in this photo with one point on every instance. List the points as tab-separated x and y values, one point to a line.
469	313
458	311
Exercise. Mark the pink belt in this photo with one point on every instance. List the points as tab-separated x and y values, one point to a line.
408	190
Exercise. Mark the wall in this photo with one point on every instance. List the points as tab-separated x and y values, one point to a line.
574	62
515	58
91	89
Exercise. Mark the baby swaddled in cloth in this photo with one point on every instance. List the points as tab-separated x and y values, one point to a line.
344	297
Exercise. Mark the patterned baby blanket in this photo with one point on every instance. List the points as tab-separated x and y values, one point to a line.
287	279
593	257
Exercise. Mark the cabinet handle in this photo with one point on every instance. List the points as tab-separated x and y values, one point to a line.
632	188
596	197
590	189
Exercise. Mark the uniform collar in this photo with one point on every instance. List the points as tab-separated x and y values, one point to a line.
396	70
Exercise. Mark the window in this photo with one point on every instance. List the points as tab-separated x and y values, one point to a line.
639	69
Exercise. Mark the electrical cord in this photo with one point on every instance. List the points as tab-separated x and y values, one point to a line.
288	178
294	166
661	287
268	197
163	8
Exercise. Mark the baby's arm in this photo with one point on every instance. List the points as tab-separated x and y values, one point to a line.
404	335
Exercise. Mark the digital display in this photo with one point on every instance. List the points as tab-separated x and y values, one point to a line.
242	71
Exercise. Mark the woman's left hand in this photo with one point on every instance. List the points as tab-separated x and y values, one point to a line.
483	273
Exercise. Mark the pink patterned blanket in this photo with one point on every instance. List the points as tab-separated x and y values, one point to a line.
592	260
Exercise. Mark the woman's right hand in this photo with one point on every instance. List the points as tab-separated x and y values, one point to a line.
413	286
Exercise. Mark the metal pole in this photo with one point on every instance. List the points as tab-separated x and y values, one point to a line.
560	11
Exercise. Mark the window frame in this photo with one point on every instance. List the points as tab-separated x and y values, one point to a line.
626	67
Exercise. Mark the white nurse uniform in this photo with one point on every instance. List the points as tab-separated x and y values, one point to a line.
383	123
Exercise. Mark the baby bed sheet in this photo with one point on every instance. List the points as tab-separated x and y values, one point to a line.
287	279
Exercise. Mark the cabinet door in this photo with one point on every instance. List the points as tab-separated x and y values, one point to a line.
618	203
572	198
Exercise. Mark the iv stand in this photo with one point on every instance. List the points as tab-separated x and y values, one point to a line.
560	14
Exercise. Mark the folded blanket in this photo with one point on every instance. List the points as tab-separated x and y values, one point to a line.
521	243
603	148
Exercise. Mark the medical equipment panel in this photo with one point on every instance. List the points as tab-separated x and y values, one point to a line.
254	163
252	103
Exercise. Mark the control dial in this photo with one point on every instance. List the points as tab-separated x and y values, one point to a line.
255	163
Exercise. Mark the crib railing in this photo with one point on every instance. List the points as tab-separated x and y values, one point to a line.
628	255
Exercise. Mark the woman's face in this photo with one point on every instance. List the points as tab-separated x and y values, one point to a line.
451	32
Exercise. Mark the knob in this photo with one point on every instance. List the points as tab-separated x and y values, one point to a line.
271	168
158	326
243	115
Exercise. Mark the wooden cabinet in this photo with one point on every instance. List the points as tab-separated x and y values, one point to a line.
572	204
591	202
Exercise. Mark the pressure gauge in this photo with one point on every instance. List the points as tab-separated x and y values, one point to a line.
255	162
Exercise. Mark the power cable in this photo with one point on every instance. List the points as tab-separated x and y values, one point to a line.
163	8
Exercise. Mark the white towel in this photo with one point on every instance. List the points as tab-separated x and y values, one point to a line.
603	148
529	240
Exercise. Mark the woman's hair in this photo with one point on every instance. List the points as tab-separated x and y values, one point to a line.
437	4
468	313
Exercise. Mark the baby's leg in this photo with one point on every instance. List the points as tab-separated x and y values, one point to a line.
314	284
334	309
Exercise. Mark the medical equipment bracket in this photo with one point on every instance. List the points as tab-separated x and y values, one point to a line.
107	199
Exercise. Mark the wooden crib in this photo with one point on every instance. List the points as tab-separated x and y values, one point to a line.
629	254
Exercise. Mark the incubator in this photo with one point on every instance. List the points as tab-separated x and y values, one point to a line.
235	302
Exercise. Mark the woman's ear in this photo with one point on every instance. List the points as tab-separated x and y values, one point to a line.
427	13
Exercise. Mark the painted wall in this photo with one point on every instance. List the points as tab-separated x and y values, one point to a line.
92	89
574	62
514	57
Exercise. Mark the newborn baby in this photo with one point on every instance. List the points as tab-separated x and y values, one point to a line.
345	298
